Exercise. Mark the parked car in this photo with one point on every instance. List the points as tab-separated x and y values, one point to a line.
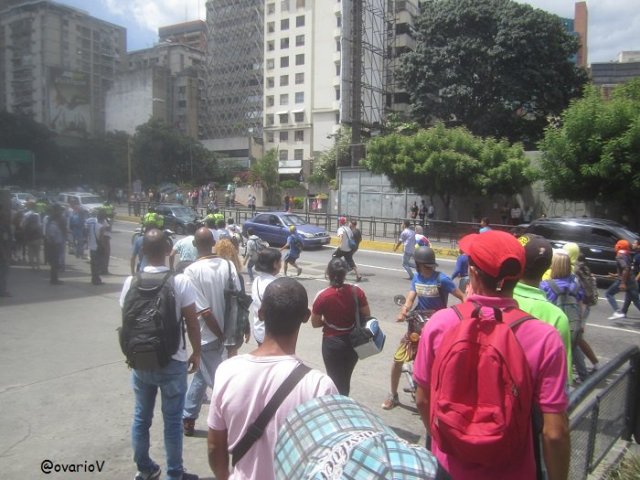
88	202
177	217
20	199
274	228
596	238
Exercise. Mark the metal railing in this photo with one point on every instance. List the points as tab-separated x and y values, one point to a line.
602	410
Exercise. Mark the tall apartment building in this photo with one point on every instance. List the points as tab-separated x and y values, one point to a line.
57	63
311	77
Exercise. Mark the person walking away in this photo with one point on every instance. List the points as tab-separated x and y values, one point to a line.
413	211
32	228
408	241
268	264
76	227
431	288
209	276
95	229
294	245
170	379
346	246
334	309
254	246
530	350
252	204
184	249
531	299
245	384
106	247
287	203
564	290
55	238
422	212
624	281
356	234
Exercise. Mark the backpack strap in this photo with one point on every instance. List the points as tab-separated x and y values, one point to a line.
472	309
256	429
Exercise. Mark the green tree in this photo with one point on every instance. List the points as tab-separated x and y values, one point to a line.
339	155
497	67
594	152
265	171
450	162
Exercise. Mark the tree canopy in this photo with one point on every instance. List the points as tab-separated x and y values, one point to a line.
339	155
265	171
450	162
594	152
497	67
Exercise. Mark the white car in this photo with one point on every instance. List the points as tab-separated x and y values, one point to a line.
20	199
88	202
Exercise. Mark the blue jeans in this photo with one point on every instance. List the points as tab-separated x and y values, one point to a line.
210	358
611	295
406	263
172	381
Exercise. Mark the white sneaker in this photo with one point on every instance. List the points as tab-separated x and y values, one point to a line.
616	316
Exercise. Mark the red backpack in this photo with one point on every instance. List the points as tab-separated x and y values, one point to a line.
481	388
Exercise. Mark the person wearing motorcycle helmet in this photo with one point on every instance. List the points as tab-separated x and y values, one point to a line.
294	244
431	289
150	220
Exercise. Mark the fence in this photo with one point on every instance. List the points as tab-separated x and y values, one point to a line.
602	410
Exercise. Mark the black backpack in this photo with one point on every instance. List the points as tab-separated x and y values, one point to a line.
151	331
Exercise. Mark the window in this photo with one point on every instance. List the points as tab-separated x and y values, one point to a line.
299	40
270	100
270	63
337	45
300	21
299	3
284	5
298	154
298	136
338	69
284	136
299	78
337	94
284	24
284	99
338	118
339	21
299	97
284	80
284	42
271	46
284	62
271	27
299	117
299	59
283	155
271	8
270	82
269	118
269	137
284	118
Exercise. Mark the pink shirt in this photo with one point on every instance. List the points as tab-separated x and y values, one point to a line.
243	386
546	356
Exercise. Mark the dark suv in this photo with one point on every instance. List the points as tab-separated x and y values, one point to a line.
595	236
177	217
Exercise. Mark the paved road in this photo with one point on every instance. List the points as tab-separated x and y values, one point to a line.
64	387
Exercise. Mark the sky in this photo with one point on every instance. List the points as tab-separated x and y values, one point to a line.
614	25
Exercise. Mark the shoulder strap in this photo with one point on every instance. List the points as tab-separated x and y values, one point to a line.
554	287
355	298
256	429
505	316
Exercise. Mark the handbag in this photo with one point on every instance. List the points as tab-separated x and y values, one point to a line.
367	339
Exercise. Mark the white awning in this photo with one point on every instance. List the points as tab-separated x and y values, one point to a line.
298	110
282	112
289	170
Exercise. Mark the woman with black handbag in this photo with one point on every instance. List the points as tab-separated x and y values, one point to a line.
334	309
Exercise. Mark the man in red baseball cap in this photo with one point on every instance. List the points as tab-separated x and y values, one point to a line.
496	262
625	282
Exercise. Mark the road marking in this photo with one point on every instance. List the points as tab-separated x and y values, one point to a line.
617	329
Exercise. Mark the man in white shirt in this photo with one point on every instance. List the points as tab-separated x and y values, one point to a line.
96	227
171	379
209	276
346	246
246	383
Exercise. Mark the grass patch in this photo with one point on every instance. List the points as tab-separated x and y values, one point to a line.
629	469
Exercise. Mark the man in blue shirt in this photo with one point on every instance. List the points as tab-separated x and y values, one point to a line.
294	244
432	289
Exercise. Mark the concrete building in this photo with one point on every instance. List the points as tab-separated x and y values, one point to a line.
608	75
193	34
57	63
164	82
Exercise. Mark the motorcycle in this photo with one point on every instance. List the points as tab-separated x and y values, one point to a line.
416	319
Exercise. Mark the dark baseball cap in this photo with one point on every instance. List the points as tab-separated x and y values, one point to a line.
538	253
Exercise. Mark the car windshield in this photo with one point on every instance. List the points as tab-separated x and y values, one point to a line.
182	212
292	220
25	196
87	200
